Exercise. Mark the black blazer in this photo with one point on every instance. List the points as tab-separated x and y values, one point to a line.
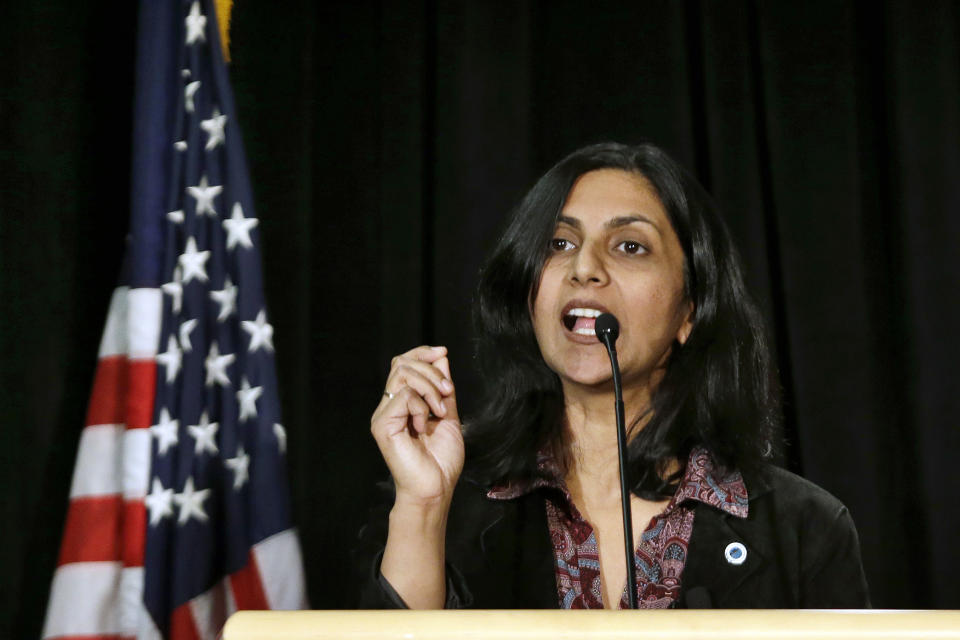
802	552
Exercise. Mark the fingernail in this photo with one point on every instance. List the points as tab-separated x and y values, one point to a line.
446	385
438	348
443	408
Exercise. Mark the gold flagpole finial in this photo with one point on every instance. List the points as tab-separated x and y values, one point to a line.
224	7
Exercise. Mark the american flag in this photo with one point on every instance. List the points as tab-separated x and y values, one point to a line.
178	510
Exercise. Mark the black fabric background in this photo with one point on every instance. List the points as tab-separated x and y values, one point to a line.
387	143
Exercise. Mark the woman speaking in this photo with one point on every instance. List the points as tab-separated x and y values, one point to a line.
520	507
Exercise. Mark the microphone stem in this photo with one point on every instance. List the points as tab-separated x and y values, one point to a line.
624	487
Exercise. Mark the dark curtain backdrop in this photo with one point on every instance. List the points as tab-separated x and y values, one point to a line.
387	143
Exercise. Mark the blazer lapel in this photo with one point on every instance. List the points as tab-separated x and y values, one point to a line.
712	561
518	554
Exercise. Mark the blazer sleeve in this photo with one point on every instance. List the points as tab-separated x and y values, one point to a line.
831	575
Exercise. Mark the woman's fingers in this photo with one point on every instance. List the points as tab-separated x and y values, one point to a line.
417	409
392	417
423	354
443	365
416	424
425	379
425	363
418	388
417	368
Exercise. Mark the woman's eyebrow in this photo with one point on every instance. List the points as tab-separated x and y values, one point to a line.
622	221
613	223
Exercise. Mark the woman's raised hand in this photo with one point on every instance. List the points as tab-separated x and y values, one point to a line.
417	427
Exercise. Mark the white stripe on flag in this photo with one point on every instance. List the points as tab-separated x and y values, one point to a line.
135	620
98	598
145	309
129	599
114	339
147	628
231	601
99	462
281	570
136	463
211	609
83	600
96	472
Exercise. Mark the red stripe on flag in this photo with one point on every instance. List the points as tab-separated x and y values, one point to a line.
134	533
143	380
182	626
108	400
92	530
247	587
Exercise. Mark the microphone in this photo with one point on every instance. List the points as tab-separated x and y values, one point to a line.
608	330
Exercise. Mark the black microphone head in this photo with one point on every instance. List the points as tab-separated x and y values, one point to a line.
607	328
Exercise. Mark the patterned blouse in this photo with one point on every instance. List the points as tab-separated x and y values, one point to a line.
662	552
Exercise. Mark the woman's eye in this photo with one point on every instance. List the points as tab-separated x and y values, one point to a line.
632	247
559	244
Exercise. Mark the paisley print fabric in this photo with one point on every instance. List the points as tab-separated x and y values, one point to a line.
662	551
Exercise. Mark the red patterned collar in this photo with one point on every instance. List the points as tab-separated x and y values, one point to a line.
703	481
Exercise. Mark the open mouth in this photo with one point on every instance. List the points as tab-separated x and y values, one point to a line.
581	320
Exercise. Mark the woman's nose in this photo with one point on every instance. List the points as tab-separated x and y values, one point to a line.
587	267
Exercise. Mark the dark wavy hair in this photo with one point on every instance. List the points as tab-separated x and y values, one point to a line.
719	389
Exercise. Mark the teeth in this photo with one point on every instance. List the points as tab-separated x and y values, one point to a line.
585	313
585	332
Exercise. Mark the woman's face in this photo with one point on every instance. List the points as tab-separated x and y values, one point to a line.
614	251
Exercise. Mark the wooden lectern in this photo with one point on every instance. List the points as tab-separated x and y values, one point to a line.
592	625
